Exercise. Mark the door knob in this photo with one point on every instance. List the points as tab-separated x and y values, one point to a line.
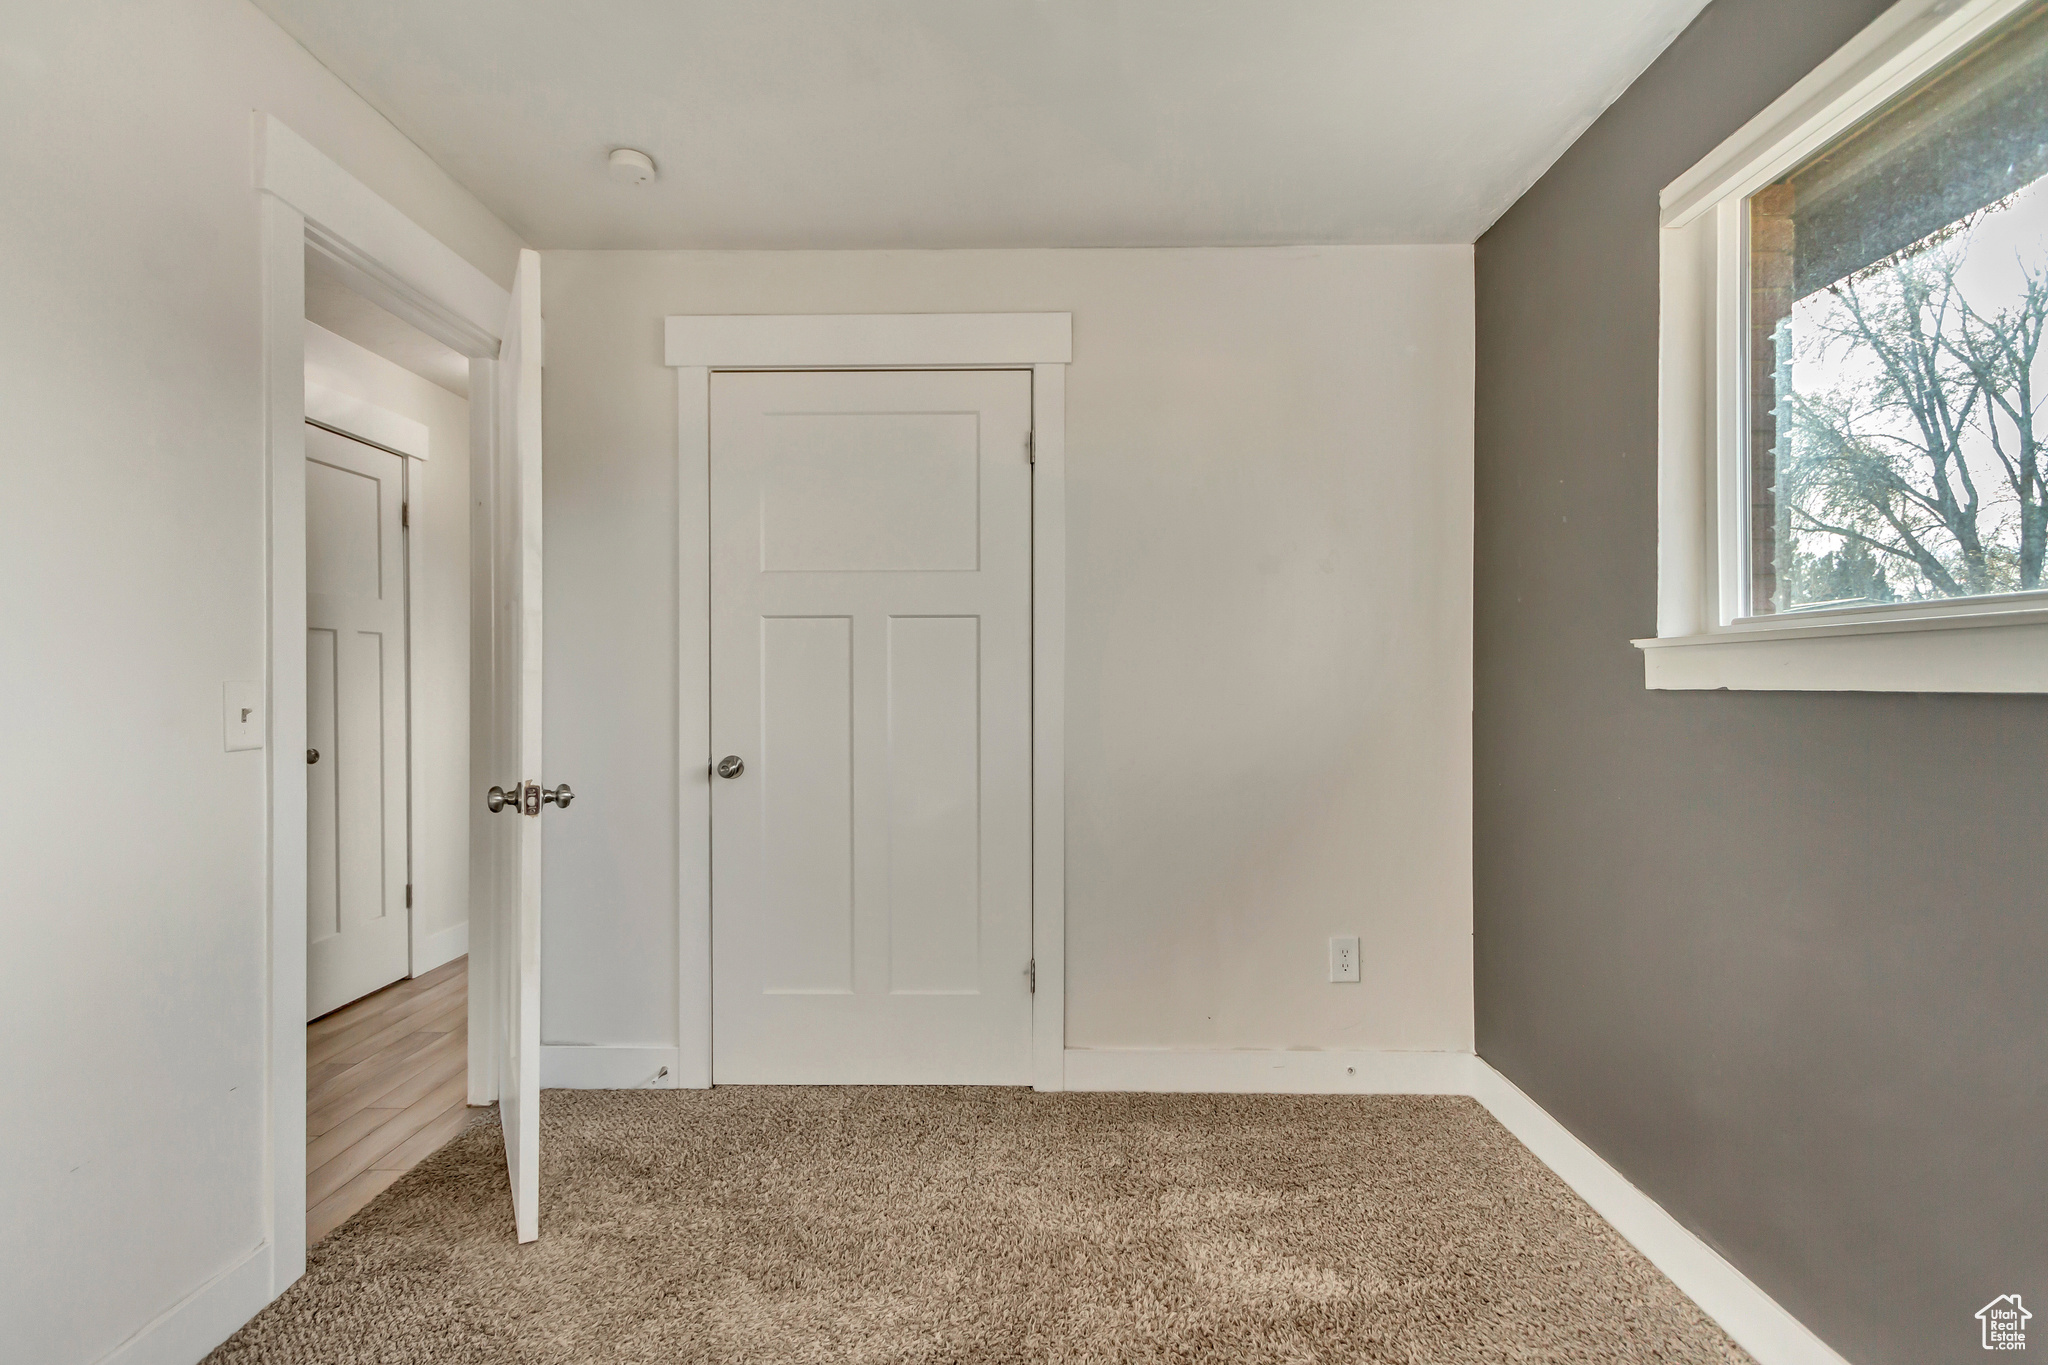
731	766
532	796
312	755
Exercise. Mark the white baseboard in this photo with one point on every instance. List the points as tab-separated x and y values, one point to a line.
1252	1071
571	1066
1753	1318
1757	1322
440	948
203	1319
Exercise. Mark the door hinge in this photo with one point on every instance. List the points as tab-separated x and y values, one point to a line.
408	895
1031	447
405	514
1032	972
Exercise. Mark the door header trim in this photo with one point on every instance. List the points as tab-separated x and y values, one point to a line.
388	258
869	341
362	420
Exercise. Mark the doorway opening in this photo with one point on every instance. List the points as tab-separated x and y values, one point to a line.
387	756
309	207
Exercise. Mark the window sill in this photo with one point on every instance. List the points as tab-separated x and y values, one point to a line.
1992	651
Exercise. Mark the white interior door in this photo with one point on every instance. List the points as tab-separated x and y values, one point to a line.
357	923
871	650
516	739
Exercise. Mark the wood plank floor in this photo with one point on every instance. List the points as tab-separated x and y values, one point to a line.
387	1078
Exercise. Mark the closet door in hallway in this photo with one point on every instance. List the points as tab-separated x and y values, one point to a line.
357	923
871	727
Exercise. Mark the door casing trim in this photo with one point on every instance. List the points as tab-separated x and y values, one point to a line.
1040	342
305	199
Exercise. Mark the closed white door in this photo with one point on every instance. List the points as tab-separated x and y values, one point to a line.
357	923
871	723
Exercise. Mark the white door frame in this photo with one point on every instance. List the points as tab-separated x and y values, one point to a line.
305	199
1039	342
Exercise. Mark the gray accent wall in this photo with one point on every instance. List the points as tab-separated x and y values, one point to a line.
1778	957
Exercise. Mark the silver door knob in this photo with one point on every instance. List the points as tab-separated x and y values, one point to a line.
731	766
534	797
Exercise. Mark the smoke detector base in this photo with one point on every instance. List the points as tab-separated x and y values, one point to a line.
630	167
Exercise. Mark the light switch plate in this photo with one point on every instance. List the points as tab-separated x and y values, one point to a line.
1344	958
242	715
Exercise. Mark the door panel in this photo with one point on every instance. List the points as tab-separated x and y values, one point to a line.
869	492
357	924
323	888
934	770
806	784
516	740
871	619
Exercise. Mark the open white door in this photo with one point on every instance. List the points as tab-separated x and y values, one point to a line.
516	739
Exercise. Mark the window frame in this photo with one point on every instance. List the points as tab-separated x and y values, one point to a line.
1704	639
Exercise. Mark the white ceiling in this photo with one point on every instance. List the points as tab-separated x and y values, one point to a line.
957	123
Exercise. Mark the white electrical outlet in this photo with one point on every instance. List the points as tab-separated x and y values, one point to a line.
1344	958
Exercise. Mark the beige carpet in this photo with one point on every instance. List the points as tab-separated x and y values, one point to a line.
926	1225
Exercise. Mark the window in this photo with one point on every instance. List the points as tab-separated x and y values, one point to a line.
1898	289
1854	490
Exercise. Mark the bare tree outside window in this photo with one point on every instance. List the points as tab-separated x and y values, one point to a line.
1898	306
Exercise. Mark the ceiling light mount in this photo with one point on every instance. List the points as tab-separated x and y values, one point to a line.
630	167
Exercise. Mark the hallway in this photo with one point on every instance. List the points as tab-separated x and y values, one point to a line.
386	1084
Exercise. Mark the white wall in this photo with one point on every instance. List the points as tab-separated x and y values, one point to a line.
439	566
1269	627
132	929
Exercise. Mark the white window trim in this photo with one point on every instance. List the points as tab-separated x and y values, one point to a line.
1997	644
